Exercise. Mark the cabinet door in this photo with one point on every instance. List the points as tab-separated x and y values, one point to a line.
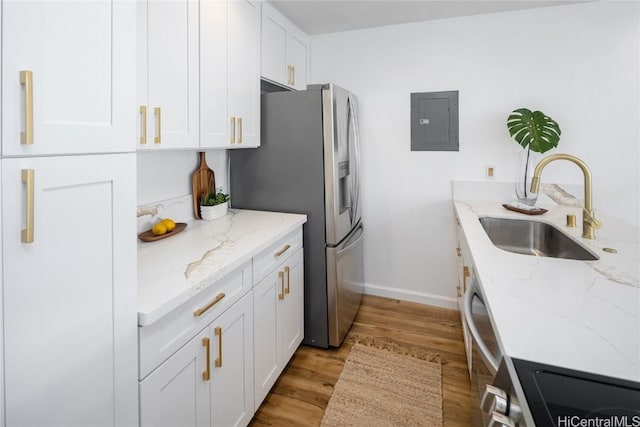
266	298
243	23
80	96
214	120
177	393
172	85
70	290
297	52
274	41
463	265
290	310
232	369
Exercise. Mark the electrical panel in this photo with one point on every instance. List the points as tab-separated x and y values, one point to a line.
434	121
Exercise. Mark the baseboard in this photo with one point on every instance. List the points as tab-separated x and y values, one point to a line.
413	296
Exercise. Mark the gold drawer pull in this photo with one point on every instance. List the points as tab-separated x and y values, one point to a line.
202	310
287	270
26	79
158	138
206	374
218	362
239	130
281	278
233	130
293	75
285	249
143	124
466	273
28	177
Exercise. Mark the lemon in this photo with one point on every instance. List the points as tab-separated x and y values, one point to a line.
159	229
169	223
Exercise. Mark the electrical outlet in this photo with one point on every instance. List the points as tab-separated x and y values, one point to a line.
490	172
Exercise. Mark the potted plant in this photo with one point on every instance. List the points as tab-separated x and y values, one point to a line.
214	205
537	133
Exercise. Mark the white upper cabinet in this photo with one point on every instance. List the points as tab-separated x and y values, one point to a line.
285	50
297	57
244	71
68	80
230	73
215	126
168	74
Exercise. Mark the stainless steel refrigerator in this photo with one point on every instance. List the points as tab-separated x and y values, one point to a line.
308	162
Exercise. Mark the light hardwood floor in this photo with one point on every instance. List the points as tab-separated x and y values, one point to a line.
302	392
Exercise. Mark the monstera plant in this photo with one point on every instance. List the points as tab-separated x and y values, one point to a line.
534	131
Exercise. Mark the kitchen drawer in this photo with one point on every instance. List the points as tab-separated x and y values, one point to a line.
267	260
161	339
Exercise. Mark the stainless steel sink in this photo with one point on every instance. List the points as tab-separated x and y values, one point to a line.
536	238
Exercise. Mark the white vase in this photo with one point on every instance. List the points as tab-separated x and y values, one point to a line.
209	213
525	164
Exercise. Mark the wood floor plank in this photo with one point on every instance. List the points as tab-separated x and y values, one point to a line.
302	392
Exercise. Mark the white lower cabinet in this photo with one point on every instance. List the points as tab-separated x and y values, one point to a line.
209	381
176	394
237	341
464	265
278	302
232	369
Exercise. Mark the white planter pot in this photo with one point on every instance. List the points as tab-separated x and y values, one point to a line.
209	213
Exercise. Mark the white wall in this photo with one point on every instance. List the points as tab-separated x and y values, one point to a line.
166	175
577	63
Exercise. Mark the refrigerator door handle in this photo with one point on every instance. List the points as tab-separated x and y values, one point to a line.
355	185
355	240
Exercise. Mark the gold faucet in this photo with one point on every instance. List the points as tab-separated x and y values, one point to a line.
589	222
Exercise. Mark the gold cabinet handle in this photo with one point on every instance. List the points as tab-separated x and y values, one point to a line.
280	252
143	124
293	75
459	251
158	138
26	79
206	374
289	75
202	310
218	332
281	278
233	130
465	273
239	130
287	271
28	177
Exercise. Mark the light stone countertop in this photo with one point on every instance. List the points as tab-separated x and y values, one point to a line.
173	270
582	315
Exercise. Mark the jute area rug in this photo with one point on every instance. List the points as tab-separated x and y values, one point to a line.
381	388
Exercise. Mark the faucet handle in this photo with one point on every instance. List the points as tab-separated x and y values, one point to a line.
588	216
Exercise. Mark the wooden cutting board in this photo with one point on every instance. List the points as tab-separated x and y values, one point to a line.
202	181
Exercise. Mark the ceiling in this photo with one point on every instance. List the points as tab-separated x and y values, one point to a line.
328	16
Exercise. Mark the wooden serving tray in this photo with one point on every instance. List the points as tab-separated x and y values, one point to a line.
148	236
535	211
